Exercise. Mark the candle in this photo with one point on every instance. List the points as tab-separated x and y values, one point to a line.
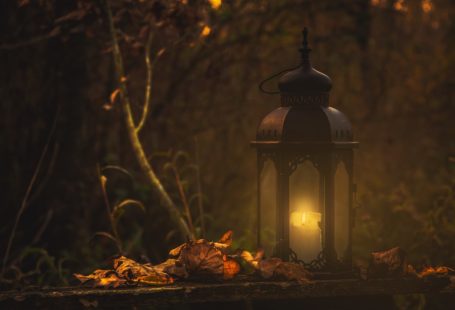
305	237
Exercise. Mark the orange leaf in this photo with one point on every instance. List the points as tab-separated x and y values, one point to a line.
114	95
231	268
201	258
434	271
226	238
101	278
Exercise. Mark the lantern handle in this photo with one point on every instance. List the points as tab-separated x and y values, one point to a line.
261	85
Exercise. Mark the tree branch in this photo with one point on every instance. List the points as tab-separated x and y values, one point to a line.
133	134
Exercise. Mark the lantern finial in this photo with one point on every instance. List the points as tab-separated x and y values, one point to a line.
305	50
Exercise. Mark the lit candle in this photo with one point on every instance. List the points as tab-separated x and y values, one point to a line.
305	237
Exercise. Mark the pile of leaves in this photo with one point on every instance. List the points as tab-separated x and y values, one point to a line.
196	260
394	263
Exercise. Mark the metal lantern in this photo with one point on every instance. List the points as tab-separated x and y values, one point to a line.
305	174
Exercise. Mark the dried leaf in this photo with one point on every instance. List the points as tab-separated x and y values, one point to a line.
176	251
252	260
230	268
173	267
292	271
388	263
141	273
435	271
267	267
226	238
201	259
102	278
114	95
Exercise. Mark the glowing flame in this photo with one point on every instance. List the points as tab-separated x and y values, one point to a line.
309	219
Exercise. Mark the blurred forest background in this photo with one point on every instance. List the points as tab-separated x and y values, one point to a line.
391	62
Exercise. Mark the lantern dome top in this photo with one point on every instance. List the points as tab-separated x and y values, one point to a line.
302	125
305	85
305	118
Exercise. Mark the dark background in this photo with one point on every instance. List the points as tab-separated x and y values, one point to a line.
391	63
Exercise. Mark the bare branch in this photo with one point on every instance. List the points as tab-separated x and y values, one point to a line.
148	85
134	138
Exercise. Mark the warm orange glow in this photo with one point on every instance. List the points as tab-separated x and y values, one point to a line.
206	31
215	4
308	220
400	6
440	270
427	6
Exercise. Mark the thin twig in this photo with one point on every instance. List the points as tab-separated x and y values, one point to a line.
148	85
25	199
103	182
198	181
134	138
183	198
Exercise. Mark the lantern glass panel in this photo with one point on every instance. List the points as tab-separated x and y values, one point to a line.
341	211
268	204
305	212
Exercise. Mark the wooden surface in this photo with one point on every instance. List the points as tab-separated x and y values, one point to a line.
181	293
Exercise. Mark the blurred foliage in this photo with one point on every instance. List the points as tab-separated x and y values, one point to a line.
390	62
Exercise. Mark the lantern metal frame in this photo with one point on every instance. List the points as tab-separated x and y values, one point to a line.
304	129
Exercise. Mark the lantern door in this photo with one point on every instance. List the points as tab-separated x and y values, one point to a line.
306	210
267	204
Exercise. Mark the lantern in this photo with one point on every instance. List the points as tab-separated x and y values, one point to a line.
305	174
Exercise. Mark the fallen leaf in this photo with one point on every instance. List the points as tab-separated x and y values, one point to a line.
230	268
292	271
102	278
390	263
202	259
226	238
435	271
140	273
173	267
252	260
267	267
176	251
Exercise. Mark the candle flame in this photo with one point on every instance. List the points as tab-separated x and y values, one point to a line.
308	219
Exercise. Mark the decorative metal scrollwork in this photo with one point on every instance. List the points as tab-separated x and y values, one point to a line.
296	161
317	264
